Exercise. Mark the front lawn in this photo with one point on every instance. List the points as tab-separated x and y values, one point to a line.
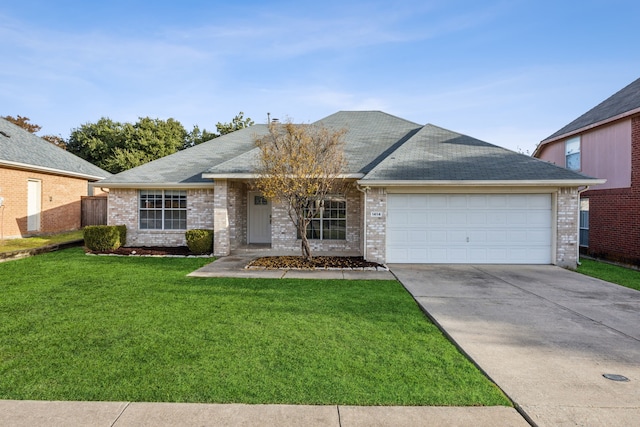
77	327
611	273
10	245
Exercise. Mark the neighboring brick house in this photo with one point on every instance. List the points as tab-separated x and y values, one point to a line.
605	143
40	184
419	194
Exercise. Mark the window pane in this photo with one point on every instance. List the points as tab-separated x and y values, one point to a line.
313	229
572	146
573	161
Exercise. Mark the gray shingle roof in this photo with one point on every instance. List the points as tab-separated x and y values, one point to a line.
623	101
17	146
378	146
436	154
187	166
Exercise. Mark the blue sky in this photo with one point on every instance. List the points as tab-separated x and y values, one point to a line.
507	72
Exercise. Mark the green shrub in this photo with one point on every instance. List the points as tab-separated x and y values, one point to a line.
122	230
102	237
200	241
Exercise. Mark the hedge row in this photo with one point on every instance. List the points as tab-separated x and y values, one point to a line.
102	238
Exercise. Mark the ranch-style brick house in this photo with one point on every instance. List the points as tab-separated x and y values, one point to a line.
41	185
419	194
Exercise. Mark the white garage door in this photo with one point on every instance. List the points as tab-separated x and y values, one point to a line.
469	228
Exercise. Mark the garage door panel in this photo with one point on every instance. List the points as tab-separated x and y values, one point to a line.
437	218
464	228
457	218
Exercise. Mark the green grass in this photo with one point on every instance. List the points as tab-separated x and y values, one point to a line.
611	273
78	327
11	245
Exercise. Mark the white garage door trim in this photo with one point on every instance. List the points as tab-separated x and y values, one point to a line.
469	228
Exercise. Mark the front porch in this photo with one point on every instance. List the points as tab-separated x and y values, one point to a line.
244	221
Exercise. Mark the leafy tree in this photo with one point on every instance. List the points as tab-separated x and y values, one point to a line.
24	123
237	123
197	136
116	146
300	165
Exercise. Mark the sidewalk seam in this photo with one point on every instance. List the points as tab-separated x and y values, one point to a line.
339	416
120	414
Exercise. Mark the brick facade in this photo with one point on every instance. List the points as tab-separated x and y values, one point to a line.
614	214
283	231
60	202
224	208
123	209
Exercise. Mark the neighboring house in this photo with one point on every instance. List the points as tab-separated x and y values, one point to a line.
420	194
605	143
40	184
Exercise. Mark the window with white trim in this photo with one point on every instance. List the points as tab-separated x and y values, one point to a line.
330	222
584	222
163	209
572	153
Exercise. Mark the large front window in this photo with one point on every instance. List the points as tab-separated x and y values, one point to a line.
163	210
330	222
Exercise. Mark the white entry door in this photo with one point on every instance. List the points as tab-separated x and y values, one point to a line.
259	223
34	204
469	228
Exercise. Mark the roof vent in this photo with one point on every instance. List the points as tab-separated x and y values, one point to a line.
4	134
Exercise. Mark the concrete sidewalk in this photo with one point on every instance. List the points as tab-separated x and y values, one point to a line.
545	335
123	414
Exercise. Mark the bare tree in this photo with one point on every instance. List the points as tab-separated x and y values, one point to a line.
300	165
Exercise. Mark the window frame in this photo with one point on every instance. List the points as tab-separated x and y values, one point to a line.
316	229
583	223
573	153
164	204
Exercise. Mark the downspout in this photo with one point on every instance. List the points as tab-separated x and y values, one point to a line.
578	246
364	191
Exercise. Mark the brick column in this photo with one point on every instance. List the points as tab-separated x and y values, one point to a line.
567	228
221	243
376	226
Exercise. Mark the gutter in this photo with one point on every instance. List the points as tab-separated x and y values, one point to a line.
483	183
151	185
50	170
256	176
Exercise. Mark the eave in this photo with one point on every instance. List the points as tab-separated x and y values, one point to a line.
256	176
151	185
18	165
483	183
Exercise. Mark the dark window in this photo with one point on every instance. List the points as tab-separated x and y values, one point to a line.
330	222
584	222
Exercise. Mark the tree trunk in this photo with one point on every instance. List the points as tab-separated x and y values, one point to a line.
303	223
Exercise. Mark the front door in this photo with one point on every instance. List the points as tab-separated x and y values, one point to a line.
259	223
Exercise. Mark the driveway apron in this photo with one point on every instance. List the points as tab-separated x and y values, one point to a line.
545	335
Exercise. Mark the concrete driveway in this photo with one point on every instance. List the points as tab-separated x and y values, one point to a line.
545	335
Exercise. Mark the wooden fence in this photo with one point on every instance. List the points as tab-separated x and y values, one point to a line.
94	210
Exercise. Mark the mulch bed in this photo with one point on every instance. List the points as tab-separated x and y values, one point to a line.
321	262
